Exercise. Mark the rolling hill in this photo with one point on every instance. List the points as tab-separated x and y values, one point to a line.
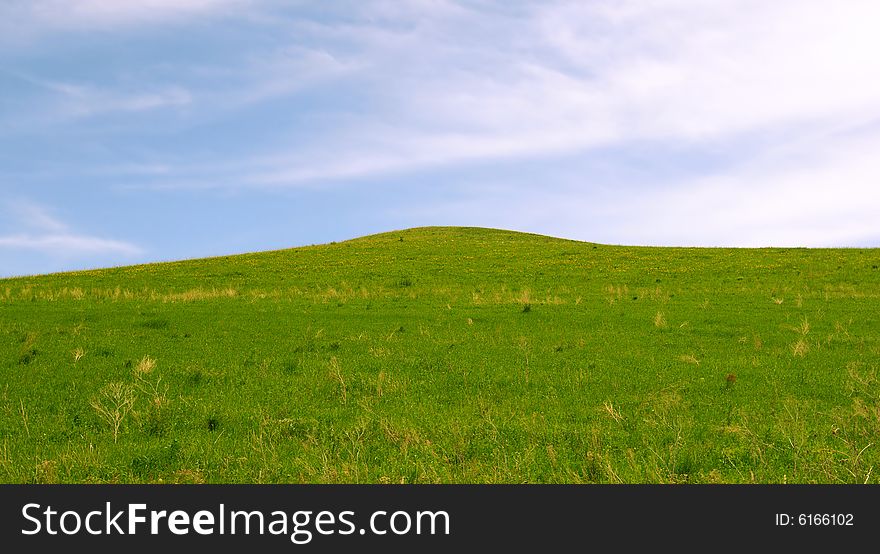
450	355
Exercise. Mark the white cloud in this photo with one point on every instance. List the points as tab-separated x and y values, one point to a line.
78	100
69	101
426	84
85	14
68	245
449	82
455	85
46	234
35	216
820	193
566	77
695	69
824	195
276	74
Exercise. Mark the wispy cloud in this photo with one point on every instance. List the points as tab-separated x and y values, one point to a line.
281	73
85	100
824	194
68	245
35	217
769	109
34	16
44	233
820	192
449	83
76	100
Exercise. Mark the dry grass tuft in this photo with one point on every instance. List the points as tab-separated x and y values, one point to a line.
195	295
660	320
804	327
800	348
188	477
46	472
380	380
336	375
145	366
611	411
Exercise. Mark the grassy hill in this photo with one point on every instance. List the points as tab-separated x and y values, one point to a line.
448	355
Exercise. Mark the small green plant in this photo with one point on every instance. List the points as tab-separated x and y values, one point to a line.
27	356
213	423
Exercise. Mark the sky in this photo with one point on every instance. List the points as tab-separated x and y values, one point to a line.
148	130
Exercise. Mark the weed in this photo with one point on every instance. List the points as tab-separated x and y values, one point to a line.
46	472
156	419
27	356
611	411
213	423
800	348
660	320
24	418
144	367
804	327
336	375
380	381
113	404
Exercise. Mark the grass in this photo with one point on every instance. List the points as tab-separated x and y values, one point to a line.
448	355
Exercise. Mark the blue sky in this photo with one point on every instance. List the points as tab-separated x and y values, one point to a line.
147	130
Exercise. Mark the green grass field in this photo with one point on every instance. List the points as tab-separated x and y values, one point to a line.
448	355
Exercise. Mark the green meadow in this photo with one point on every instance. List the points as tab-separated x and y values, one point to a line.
448	355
